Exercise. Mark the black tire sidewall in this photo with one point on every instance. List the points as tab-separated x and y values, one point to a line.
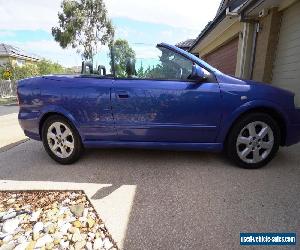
77	140
235	131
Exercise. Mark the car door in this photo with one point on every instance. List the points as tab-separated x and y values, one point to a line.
165	106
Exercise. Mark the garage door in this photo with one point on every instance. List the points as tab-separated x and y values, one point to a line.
224	58
286	71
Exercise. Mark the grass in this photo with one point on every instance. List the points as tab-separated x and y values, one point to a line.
7	101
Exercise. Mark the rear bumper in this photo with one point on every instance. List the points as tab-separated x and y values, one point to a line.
29	122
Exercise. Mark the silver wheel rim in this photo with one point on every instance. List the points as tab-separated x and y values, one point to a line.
255	142
60	139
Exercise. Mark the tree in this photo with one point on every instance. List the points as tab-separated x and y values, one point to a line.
43	67
83	24
122	52
140	71
46	67
25	71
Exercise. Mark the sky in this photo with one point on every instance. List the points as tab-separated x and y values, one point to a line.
27	24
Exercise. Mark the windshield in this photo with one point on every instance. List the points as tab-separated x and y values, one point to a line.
144	61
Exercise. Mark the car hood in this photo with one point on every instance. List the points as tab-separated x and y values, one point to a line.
267	86
257	91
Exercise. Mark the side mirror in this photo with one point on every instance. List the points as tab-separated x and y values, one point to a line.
198	74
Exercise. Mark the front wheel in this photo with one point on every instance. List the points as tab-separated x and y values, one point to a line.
61	140
253	141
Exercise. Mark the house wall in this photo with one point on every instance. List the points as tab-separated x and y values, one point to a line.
3	60
224	58
16	61
266	30
219	44
225	31
267	39
286	69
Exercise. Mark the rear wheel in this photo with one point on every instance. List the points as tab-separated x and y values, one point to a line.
61	140
253	141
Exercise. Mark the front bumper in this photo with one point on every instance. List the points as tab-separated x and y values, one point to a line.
293	128
292	135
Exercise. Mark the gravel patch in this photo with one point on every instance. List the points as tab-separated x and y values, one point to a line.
51	220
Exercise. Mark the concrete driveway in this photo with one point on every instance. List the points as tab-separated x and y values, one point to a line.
8	109
10	130
169	200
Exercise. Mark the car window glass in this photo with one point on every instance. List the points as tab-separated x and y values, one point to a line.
152	63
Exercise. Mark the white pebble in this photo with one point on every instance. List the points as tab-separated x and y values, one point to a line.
85	212
8	238
10	226
43	241
66	201
77	236
39	226
22	239
26	207
8	246
64	227
63	210
107	244
10	210
35	216
64	244
88	246
91	235
98	244
22	246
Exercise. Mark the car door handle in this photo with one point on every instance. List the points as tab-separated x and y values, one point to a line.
122	94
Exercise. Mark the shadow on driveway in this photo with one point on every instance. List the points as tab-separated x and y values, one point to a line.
183	200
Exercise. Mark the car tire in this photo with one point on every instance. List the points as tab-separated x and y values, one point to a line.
253	140
61	140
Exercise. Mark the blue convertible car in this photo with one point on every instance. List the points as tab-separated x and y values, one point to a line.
174	101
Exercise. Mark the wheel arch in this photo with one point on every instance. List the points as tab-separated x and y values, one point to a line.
48	114
275	113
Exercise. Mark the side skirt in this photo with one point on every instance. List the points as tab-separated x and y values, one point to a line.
214	147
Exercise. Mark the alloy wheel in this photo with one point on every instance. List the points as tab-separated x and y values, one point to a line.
255	142
60	139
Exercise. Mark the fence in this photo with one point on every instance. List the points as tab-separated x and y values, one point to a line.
8	89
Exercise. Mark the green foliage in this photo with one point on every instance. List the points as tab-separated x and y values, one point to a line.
140	72
167	66
83	24
122	53
46	67
43	67
25	71
2	70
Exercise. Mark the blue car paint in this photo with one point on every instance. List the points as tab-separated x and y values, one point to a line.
166	111
139	113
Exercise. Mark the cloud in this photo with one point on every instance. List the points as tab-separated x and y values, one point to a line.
159	20
50	50
28	14
192	14
42	14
